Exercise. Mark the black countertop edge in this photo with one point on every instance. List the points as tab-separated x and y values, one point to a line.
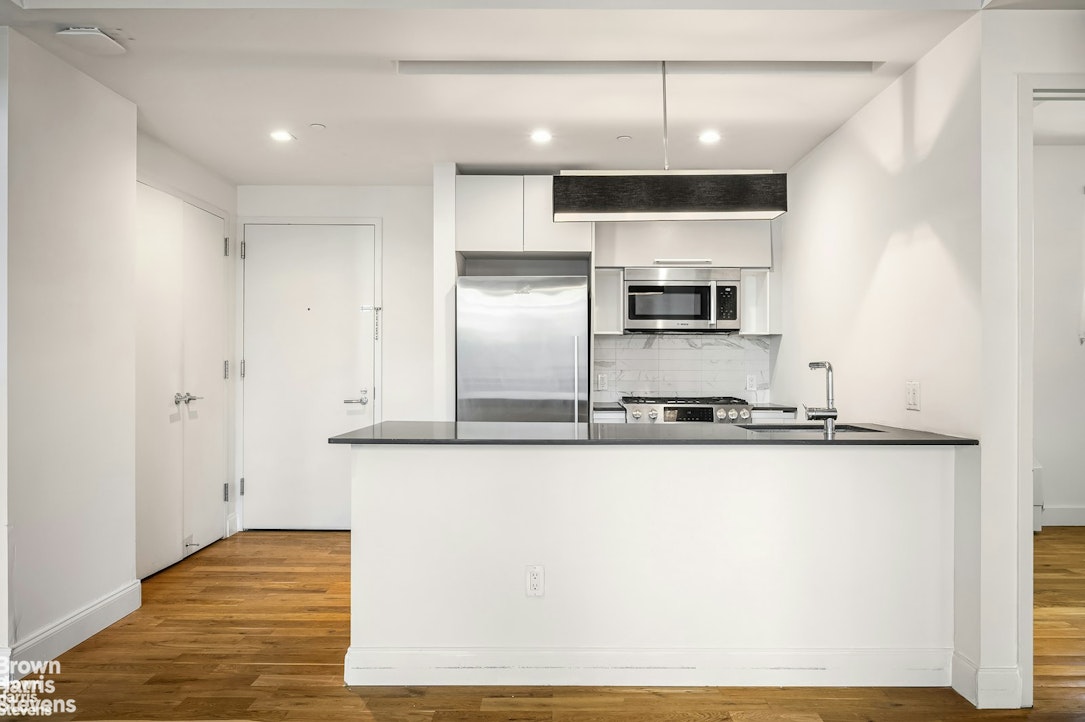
532	434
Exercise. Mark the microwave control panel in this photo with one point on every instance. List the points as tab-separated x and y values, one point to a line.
726	302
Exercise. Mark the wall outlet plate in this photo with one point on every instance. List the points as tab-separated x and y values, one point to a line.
601	382
911	395
535	581
751	382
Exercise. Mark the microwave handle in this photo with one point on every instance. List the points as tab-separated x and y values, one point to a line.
682	261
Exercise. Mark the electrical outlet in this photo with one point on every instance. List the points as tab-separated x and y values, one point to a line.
536	581
601	382
911	395
751	382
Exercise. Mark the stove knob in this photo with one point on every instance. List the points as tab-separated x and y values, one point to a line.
732	414
745	414
721	414
635	413
653	414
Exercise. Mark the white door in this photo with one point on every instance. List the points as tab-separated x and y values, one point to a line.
181	315
310	346
159	331
204	379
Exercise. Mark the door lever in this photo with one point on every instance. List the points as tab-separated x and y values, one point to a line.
363	400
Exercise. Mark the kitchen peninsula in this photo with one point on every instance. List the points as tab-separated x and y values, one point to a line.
623	554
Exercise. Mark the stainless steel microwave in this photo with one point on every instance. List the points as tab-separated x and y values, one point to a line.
682	299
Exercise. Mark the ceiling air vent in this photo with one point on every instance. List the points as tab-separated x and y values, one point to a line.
660	196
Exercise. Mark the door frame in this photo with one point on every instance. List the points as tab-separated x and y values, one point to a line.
376	400
1027	83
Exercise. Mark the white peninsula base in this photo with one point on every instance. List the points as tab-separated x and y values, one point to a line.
663	564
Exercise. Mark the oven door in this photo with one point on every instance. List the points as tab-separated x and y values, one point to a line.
669	305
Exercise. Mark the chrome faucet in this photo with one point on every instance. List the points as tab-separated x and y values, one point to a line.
827	414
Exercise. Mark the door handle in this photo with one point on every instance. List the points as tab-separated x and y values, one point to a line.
363	400
178	398
188	397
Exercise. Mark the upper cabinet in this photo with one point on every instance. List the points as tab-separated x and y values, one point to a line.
505	214
730	244
540	231
489	213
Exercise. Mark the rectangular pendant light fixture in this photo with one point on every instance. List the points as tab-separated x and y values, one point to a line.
658	196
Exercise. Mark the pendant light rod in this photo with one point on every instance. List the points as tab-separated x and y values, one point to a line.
666	160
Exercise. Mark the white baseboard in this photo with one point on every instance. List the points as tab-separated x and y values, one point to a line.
231	525
965	677
999	688
649	667
58	638
1064	515
991	688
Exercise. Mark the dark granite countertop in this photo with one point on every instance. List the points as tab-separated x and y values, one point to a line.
607	406
446	432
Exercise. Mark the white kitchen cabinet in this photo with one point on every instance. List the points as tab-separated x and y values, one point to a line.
609	298
541	234
490	213
727	244
760	302
513	214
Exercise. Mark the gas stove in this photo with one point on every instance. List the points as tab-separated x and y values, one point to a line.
668	409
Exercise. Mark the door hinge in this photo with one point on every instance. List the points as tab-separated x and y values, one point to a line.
242	368
225	246
225	491
242	250
242	491
226	369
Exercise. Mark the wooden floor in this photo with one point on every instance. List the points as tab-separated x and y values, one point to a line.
255	628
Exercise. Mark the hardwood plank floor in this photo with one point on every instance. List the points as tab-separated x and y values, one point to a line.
255	628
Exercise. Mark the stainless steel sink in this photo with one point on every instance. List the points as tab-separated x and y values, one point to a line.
804	427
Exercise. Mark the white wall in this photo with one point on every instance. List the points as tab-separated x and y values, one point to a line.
881	253
160	166
71	242
1060	358
5	531
1014	43
406	214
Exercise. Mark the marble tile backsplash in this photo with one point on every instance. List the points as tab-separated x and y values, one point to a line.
681	365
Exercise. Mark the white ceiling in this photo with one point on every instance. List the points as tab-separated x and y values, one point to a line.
213	82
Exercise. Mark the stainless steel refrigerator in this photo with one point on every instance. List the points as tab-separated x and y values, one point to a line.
522	348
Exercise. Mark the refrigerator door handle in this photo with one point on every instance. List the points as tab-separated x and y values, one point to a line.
576	379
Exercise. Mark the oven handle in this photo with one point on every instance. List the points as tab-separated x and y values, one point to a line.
682	261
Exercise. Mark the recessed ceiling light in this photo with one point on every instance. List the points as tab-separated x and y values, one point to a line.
318	126
708	137
625	138
282	135
541	135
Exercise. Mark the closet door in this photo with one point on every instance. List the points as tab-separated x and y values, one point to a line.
205	304
181	346
159	332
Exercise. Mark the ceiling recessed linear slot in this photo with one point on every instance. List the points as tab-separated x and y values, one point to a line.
636	67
